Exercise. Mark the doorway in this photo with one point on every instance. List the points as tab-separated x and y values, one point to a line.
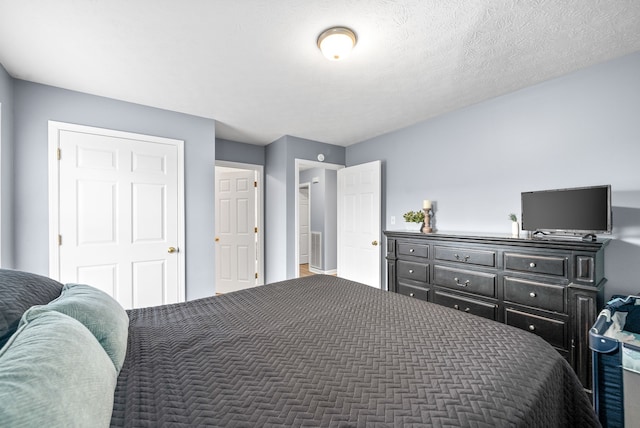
358	207
320	237
239	226
304	210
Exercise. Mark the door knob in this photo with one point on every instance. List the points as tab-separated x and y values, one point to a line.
217	239
172	250
374	243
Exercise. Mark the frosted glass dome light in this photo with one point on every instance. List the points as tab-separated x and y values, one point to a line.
336	43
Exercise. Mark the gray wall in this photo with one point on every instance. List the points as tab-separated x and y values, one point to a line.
280	199
275	211
6	169
35	105
578	130
233	151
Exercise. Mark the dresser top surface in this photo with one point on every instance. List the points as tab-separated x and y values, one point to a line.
502	238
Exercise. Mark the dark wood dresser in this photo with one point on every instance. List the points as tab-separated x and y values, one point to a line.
552	288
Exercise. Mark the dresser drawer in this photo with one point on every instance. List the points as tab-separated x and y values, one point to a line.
551	330
466	280
540	295
413	270
547	265
476	307
413	291
414	250
462	255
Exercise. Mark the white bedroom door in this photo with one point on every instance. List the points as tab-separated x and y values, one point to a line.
120	214
236	233
359	246
304	213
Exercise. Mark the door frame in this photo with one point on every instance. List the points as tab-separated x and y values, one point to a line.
1	199
305	185
310	164
259	169
54	191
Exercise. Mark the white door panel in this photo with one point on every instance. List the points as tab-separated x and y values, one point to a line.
149	285
236	251
103	277
120	209
359	223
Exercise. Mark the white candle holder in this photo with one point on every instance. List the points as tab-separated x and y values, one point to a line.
428	220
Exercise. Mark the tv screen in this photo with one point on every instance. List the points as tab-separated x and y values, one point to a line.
578	210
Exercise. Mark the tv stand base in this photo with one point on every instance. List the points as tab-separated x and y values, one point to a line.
589	237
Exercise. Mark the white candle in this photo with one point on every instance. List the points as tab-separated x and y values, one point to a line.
426	204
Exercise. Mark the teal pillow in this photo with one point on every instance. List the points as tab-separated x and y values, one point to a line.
53	372
100	313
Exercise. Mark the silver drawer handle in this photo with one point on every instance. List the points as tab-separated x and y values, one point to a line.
532	264
410	270
411	250
411	294
464	258
456	307
462	284
532	294
532	327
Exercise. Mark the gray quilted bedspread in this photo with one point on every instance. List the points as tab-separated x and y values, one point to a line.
323	351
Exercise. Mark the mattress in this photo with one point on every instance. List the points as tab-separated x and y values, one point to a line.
324	351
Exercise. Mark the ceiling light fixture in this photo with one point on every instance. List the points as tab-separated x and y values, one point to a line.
336	43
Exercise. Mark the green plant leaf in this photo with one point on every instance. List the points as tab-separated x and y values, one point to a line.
414	216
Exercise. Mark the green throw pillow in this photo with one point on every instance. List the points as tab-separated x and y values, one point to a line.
100	313
53	372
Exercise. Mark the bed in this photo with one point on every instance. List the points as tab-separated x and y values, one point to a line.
324	351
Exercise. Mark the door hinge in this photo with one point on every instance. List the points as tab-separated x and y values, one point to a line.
255	230
59	153
255	184
59	239
256	275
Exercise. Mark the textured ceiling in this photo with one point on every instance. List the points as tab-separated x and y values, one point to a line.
254	66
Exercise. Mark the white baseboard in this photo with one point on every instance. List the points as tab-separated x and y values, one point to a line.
323	272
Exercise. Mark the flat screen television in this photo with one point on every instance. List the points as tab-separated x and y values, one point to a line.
577	211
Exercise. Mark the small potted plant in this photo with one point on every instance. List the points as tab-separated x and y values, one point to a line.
515	227
413	220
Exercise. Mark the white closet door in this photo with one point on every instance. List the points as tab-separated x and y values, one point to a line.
120	215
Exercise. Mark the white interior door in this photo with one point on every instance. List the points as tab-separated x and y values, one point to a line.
304	213
236	251
359	190
120	214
